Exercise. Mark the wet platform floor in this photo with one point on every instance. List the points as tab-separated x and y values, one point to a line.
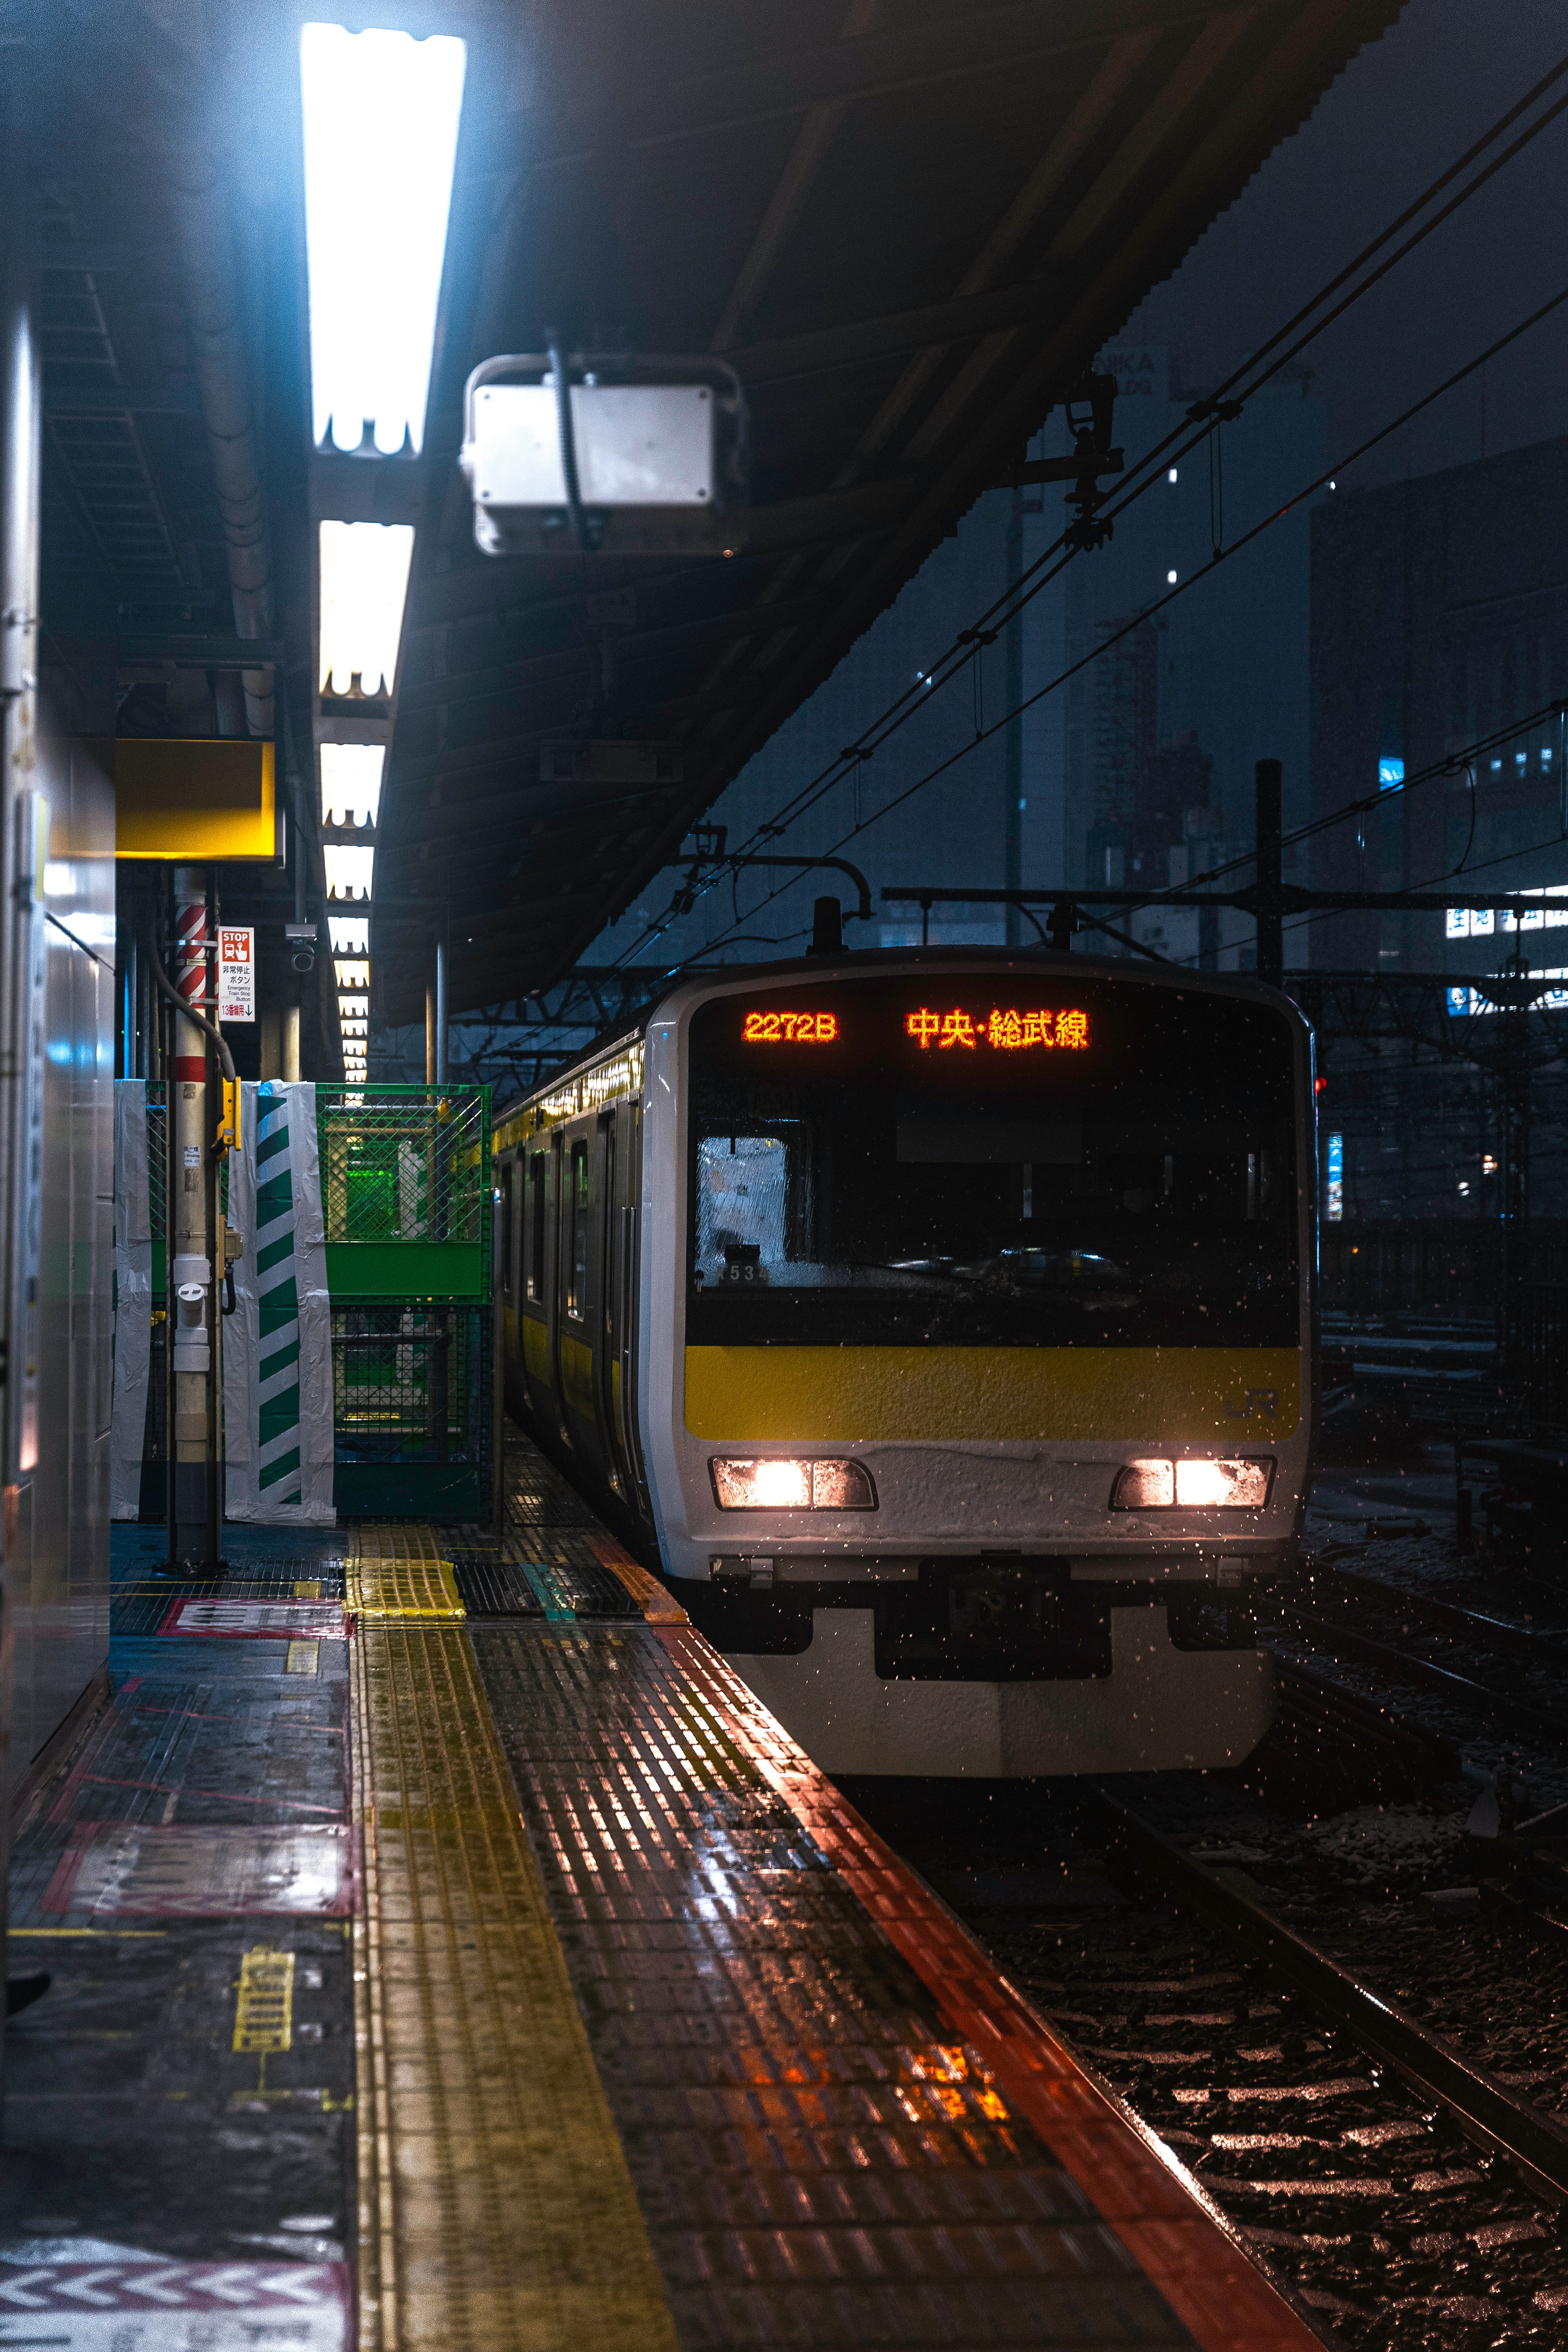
485	1968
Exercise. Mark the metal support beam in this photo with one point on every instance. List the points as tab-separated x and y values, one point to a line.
962	319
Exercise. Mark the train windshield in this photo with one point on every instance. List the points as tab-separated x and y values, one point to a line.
991	1158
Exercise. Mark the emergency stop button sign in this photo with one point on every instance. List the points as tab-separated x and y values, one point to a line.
236	972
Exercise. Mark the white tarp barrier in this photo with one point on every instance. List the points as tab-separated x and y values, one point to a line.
278	1345
132	1298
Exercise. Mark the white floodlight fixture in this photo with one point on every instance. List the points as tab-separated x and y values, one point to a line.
580	454
380	114
365	582
349	869
352	972
350	783
353	1008
350	934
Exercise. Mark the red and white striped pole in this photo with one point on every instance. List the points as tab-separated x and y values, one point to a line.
193	1454
190	970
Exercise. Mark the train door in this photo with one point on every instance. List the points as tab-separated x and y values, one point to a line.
533	1310
557	1225
624	1384
576	1323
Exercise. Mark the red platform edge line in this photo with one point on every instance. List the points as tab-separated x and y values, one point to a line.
1158	2210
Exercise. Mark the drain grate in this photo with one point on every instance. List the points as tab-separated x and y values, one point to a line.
493	1586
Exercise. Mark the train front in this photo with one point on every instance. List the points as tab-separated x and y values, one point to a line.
975	1376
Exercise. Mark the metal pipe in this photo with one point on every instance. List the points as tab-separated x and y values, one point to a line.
209	296
430	1033
442	1072
291	1040
193	1452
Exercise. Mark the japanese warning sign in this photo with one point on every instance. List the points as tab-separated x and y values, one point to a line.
236	972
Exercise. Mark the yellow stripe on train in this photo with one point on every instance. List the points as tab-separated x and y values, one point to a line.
1175	1396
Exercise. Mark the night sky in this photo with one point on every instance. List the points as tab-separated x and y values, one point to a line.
1405	109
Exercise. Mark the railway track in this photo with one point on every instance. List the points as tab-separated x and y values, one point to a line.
1331	1620
1405	2194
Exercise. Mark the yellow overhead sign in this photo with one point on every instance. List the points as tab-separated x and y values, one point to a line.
204	801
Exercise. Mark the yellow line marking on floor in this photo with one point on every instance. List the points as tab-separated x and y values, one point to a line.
128	1935
496	2212
658	1605
304	1658
396	1572
309	1589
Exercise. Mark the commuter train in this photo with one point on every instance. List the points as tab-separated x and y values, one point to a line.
942	1321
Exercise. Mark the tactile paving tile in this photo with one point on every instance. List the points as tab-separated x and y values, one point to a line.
820	2158
496	2213
398	1573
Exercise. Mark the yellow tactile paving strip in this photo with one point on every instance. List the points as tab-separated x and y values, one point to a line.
497	2213
396	1574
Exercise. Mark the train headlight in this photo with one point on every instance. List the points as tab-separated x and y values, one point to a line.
786	1485
1193	1485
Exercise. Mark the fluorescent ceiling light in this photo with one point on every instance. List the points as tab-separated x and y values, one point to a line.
349	870
364	579
350	934
353	1008
381	115
350	782
352	972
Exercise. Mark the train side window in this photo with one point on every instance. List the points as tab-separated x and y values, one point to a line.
577	1264
507	1271
536	1233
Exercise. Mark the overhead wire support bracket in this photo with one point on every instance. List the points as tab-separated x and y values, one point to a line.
695	862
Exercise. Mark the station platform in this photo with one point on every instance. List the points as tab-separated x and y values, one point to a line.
448	1951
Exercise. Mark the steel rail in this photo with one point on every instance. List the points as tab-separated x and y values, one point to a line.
1447	1616
1484	2109
1502	1707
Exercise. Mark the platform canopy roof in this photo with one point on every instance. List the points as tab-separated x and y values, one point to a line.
908	224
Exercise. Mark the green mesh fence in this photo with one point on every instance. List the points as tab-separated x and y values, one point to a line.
405	1204
407	1164
411	1383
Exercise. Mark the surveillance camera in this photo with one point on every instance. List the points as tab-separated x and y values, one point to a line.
304	959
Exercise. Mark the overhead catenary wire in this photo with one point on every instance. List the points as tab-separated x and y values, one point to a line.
1160	604
1278	351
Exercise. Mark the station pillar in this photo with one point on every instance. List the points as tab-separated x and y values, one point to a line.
193	1454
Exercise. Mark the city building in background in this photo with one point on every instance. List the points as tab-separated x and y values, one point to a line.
1439	621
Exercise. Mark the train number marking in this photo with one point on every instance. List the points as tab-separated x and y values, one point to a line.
791	1028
